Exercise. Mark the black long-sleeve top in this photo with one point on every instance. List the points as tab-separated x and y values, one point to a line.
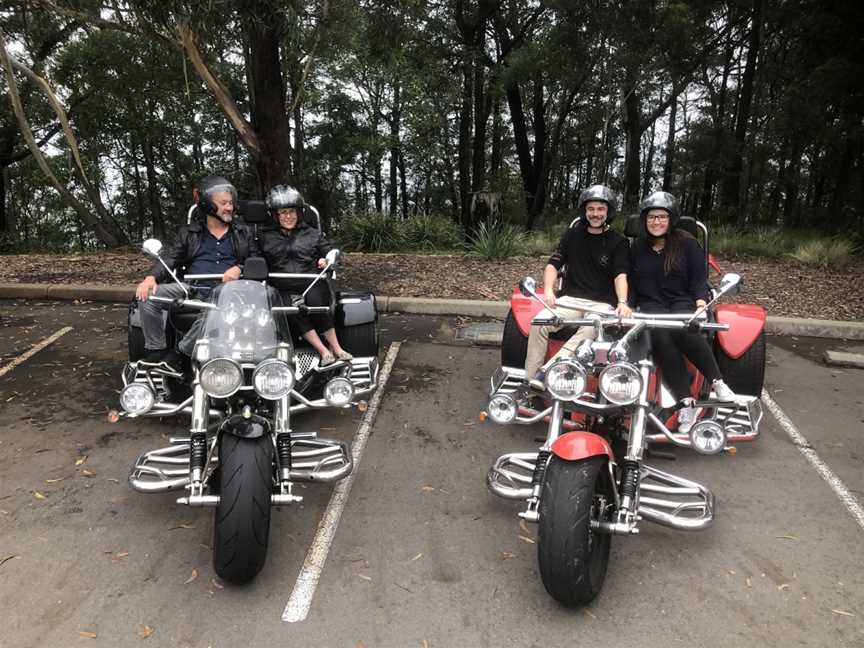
650	285
593	261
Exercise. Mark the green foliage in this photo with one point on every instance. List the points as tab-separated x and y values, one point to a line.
431	232
370	233
541	242
828	254
495	240
767	242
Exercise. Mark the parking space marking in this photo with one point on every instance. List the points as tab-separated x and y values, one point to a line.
300	601
36	348
848	499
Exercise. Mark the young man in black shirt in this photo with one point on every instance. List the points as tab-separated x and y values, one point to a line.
597	261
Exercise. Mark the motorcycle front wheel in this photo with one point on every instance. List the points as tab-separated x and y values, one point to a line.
573	557
242	518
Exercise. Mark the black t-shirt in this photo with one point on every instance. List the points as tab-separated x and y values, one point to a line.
593	261
677	290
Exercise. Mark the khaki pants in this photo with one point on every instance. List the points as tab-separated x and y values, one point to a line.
538	337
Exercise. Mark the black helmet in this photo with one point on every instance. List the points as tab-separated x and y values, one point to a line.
661	200
207	187
598	192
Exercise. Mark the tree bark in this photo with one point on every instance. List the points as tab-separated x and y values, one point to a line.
669	162
734	185
394	152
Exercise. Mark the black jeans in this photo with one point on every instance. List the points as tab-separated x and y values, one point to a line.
670	347
318	296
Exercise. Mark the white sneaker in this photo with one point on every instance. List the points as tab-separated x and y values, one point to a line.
687	417
722	391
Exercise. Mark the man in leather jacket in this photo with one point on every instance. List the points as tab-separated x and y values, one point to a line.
211	244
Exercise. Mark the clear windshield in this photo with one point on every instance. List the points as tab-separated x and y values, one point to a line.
242	328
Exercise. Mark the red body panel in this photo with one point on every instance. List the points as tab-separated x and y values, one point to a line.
714	265
524	309
581	445
746	322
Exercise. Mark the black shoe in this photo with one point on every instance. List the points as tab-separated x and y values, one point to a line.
154	355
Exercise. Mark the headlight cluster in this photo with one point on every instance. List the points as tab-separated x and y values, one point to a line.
566	380
502	409
137	399
273	379
621	383
221	377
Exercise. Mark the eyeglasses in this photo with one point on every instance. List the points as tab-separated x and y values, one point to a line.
657	217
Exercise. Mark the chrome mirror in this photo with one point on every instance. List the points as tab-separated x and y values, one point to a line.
333	256
152	247
730	283
528	287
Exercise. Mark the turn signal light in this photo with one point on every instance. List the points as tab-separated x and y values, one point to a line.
483	416
113	416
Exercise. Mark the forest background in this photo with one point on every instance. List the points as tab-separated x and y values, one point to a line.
432	123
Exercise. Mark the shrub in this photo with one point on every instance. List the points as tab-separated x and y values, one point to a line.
370	233
431	232
542	242
829	254
495	240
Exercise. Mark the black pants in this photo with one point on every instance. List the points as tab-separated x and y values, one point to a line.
318	296
670	347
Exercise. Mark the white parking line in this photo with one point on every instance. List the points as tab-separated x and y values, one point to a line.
304	589
36	348
848	499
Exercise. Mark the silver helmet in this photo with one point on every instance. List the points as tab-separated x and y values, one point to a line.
603	194
661	200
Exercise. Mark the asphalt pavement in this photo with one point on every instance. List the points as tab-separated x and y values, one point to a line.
423	554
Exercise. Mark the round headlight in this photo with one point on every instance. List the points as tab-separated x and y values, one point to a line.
137	399
502	409
221	377
708	437
273	379
566	380
621	383
338	392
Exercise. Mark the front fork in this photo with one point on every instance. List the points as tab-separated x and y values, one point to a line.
556	418
626	515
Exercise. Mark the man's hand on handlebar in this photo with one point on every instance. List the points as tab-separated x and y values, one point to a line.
549	295
146	288
623	310
231	274
322	263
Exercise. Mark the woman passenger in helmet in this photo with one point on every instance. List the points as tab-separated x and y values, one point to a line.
667	275
296	247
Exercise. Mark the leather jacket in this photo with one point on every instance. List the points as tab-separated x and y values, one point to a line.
296	251
188	241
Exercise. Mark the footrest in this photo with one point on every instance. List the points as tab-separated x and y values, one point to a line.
512	475
322	460
674	501
742	422
161	470
363	374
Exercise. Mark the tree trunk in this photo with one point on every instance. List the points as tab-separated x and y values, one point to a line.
497	142
465	143
403	187
633	128
733	189
669	163
272	128
649	163
394	151
153	190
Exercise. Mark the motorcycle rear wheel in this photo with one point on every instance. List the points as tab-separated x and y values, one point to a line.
514	345
572	557
360	340
745	374
242	517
